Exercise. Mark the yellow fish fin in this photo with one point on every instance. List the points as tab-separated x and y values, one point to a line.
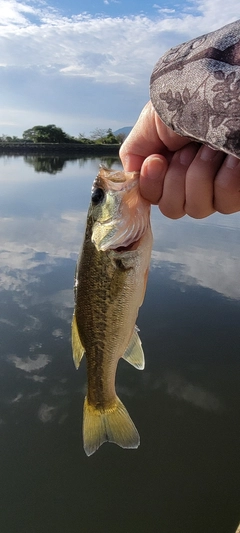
77	347
134	352
110	425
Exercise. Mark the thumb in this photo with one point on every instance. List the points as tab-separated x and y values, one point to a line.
152	177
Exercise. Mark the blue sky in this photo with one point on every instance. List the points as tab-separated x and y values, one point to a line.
83	64
112	8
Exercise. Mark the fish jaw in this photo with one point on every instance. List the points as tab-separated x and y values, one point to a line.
123	216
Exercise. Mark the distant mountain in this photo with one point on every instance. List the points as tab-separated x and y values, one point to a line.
126	130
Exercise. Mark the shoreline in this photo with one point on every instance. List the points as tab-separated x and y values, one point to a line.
58	149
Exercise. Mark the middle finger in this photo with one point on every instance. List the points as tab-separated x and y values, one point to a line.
200	182
172	201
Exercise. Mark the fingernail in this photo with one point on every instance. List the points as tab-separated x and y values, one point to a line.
154	168
231	161
207	153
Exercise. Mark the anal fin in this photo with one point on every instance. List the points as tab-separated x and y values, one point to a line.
134	352
77	347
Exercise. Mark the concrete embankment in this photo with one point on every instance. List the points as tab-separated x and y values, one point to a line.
59	148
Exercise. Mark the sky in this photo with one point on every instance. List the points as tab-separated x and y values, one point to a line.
83	64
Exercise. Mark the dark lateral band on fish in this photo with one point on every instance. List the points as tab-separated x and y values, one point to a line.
110	285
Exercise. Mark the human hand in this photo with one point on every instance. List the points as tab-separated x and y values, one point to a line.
181	176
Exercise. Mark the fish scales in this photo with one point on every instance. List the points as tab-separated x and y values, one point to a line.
103	304
110	286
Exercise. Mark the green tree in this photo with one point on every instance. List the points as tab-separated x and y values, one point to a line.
82	139
98	134
9	139
109	138
121	137
101	136
46	134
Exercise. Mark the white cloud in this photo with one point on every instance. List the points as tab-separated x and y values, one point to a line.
46	413
217	271
32	322
36	378
27	364
8	322
17	398
166	10
107	2
13	12
101	63
54	238
196	254
58	333
199	397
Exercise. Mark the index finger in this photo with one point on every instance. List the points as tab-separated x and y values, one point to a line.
149	136
142	141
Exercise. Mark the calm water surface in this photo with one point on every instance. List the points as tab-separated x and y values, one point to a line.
185	477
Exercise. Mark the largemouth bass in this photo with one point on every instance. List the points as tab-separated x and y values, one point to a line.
110	283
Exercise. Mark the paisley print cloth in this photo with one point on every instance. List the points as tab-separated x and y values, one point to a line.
195	89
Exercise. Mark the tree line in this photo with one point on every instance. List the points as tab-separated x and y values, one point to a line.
54	134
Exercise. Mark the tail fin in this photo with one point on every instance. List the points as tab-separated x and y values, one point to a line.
113	425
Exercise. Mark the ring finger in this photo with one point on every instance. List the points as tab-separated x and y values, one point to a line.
173	197
200	182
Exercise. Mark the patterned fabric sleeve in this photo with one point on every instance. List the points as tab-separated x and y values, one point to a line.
195	89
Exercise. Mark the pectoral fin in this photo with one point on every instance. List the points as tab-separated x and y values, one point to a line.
134	352
77	347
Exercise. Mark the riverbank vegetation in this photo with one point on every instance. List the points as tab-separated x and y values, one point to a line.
54	134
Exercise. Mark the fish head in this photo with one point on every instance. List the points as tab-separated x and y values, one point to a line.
120	215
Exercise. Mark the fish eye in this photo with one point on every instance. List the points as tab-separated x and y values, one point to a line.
97	196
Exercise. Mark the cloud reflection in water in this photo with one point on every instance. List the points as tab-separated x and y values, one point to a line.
204	253
185	403
28	364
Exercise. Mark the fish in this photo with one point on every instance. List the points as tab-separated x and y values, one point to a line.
110	283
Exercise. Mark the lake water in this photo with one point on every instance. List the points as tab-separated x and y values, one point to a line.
185	476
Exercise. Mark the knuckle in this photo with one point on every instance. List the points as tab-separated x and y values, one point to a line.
226	207
227	195
199	211
226	186
170	211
